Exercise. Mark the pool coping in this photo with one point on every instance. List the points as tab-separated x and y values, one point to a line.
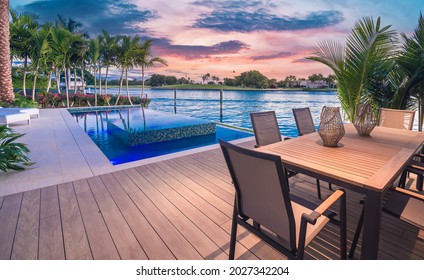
63	152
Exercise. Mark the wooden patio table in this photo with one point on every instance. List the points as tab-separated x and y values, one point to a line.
365	164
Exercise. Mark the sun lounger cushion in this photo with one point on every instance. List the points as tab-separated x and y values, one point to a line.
10	117
33	112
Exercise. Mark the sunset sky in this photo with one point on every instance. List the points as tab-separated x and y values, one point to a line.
226	38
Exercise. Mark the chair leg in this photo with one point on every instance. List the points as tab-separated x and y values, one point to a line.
233	233
302	239
356	236
402	180
419	184
318	189
343	228
256	225
330	187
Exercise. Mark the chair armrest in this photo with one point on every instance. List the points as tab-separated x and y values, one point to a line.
330	201
415	166
409	193
312	217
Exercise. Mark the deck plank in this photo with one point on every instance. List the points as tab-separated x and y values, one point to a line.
124	239
148	238
9	214
101	243
51	245
203	201
74	235
198	188
213	187
25	246
161	195
174	240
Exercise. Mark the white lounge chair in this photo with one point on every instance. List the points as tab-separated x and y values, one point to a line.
33	112
13	117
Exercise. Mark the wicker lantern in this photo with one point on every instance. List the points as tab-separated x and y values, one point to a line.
331	128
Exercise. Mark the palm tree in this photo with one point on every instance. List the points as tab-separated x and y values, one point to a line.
362	66
126	59
62	41
6	86
38	53
21	40
144	59
108	53
93	58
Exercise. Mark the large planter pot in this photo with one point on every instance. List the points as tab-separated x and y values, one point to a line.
331	128
365	119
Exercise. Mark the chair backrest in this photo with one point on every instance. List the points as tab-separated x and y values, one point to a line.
304	122
265	127
262	192
402	119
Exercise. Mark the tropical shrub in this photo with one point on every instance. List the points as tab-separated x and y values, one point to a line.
52	100
12	154
21	102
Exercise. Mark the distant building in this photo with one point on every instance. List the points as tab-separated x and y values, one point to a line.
316	84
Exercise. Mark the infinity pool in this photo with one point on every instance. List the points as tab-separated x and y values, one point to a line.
114	132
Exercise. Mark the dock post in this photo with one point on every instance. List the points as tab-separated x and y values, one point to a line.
221	94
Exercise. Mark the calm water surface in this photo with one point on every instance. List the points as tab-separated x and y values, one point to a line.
238	104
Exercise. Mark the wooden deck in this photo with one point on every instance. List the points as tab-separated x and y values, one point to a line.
175	209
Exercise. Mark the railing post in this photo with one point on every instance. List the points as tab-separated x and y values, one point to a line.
221	94
175	100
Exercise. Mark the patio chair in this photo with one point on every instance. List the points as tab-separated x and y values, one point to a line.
265	128
403	204
403	119
262	195
305	125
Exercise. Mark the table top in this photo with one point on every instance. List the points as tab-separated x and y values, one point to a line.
371	162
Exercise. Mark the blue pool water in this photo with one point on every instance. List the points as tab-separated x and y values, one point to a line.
95	124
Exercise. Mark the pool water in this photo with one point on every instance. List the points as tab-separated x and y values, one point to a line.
95	124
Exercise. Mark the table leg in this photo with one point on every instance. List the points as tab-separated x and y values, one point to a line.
372	223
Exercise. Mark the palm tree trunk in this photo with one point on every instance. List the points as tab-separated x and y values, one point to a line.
142	81
6	86
100	80
128	93
120	86
35	82
66	87
58	80
107	74
95	87
75	79
82	76
49	82
24	79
